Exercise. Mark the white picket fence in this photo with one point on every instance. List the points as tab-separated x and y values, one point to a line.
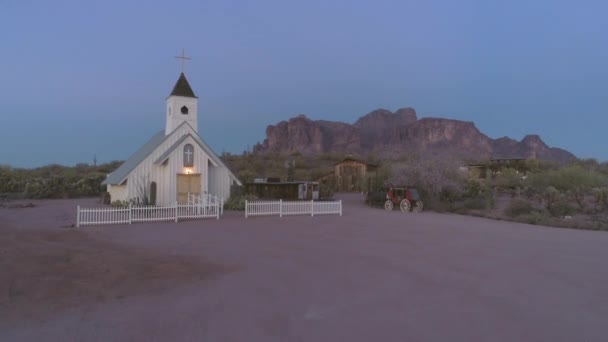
208	199
134	214
286	208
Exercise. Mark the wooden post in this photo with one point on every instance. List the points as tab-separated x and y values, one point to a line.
312	207
78	217
340	207
175	211
217	206
130	214
281	208
245	208
222	205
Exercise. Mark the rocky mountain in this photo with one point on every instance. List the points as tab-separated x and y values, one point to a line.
387	133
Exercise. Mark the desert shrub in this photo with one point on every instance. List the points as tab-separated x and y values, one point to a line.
120	204
472	187
575	181
434	204
88	186
326	191
49	187
237	198
601	220
534	217
561	208
519	207
440	177
476	203
600	196
238	202
509	180
55	181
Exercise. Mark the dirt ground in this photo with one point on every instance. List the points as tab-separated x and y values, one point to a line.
369	275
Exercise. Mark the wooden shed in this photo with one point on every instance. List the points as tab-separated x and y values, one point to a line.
298	190
494	166
350	175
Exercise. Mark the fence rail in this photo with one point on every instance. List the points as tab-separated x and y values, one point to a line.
134	214
207	199
86	216
287	208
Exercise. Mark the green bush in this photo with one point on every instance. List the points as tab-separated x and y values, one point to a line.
120	204
519	207
534	217
475	203
561	208
55	181
434	204
238	202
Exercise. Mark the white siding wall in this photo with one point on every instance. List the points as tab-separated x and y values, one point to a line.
117	192
174	115
165	175
219	181
214	179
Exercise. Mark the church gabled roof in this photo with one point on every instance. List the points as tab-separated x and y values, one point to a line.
120	175
182	87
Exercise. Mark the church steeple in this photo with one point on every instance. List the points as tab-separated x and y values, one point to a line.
182	87
182	103
181	106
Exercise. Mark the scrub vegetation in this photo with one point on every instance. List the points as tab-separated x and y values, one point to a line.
573	195
54	181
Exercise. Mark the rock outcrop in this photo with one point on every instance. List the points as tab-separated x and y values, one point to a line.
384	132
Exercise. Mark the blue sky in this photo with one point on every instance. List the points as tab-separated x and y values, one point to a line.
79	78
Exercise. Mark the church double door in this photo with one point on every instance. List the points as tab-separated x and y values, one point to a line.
187	184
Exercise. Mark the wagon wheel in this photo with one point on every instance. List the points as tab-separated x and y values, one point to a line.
418	207
405	205
388	205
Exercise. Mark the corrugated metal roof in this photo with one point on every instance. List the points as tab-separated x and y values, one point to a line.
120	174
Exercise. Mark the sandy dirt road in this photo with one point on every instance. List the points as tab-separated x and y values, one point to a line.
367	276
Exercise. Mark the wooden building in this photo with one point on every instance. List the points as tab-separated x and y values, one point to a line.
350	175
298	190
493	167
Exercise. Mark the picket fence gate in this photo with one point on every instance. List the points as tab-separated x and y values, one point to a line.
207	199
287	208
134	214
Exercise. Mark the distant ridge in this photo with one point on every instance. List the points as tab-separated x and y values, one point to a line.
386	133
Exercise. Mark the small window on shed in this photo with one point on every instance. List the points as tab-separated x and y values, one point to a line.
184	110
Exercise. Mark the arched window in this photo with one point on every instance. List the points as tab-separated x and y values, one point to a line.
184	110
188	155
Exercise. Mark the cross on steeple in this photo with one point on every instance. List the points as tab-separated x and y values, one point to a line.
183	58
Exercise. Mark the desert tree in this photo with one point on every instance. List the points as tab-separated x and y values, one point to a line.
600	196
142	190
509	179
577	182
439	177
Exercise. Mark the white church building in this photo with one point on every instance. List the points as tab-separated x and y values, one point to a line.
175	161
